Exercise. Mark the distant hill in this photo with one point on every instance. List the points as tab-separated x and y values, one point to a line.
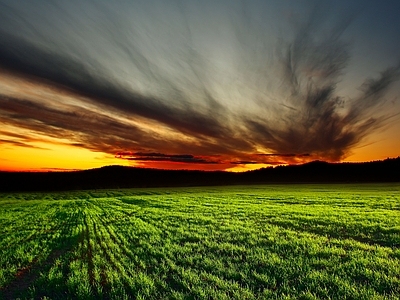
130	177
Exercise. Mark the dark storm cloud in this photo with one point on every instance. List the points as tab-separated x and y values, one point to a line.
153	154
273	159
181	158
299	112
244	162
58	169
282	155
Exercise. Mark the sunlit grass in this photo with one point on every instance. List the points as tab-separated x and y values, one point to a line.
271	242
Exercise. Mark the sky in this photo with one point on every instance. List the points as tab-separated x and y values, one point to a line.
197	84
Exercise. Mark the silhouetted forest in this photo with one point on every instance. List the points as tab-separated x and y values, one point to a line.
129	177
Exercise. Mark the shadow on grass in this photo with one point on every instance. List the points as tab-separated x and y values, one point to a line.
27	276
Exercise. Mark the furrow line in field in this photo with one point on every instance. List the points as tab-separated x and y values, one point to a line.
114	256
29	274
76	281
119	241
88	256
105	282
135	276
60	269
34	247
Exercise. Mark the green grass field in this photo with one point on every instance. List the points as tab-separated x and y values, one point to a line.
252	242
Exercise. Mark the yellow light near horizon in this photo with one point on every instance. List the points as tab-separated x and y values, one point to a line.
53	157
248	167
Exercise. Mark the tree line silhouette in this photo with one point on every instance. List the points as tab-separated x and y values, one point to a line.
114	177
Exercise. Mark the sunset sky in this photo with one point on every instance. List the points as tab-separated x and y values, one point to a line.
197	84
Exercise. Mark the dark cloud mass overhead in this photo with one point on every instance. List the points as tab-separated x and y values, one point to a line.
193	82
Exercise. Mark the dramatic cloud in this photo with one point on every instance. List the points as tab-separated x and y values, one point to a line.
314	118
152	81
182	158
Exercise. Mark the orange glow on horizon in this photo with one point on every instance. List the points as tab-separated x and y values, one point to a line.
57	155
53	157
379	146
